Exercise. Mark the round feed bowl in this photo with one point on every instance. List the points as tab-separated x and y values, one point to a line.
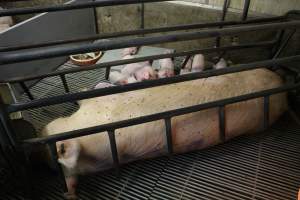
85	62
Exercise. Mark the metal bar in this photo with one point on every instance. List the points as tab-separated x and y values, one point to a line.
158	116
169	135
140	59
114	151
142	16
96	19
185	61
73	6
65	83
279	37
107	72
284	44
246	10
54	156
224	12
26	90
266	112
117	44
146	84
222	124
141	32
6	123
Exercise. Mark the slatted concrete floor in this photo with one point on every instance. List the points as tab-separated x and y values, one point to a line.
263	166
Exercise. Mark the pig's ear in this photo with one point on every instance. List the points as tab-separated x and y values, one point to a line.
68	153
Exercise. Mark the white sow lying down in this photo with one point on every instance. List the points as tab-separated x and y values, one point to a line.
190	132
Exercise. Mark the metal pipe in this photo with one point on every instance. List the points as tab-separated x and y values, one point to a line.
222	123
140	32
266	112
142	16
140	59
168	126
224	12
114	151
157	116
65	83
284	44
54	156
96	19
26	90
73	6
146	84
107	72
246	9
117	44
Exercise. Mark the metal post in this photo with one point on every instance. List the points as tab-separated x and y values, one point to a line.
222	123
96	19
185	61
246	10
114	151
224	12
107	72
65	83
169	135
26	90
54	156
283	44
142	15
266	112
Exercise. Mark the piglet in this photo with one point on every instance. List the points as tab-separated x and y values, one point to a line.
198	64
221	64
129	51
166	67
146	73
103	85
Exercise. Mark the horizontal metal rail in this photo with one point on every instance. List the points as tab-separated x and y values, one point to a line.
73	6
141	32
147	84
117	44
157	116
139	59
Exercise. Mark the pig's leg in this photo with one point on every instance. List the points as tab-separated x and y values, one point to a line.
68	153
71	182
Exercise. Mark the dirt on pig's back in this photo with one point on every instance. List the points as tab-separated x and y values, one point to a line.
190	132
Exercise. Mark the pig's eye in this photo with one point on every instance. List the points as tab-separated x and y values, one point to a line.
62	149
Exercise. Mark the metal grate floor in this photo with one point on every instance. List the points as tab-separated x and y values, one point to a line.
262	166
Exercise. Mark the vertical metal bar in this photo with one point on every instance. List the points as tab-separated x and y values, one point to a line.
246	10
96	19
185	61
222	123
26	90
283	44
6	123
114	151
279	37
142	15
224	12
54	156
107	72
169	135
65	83
266	112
